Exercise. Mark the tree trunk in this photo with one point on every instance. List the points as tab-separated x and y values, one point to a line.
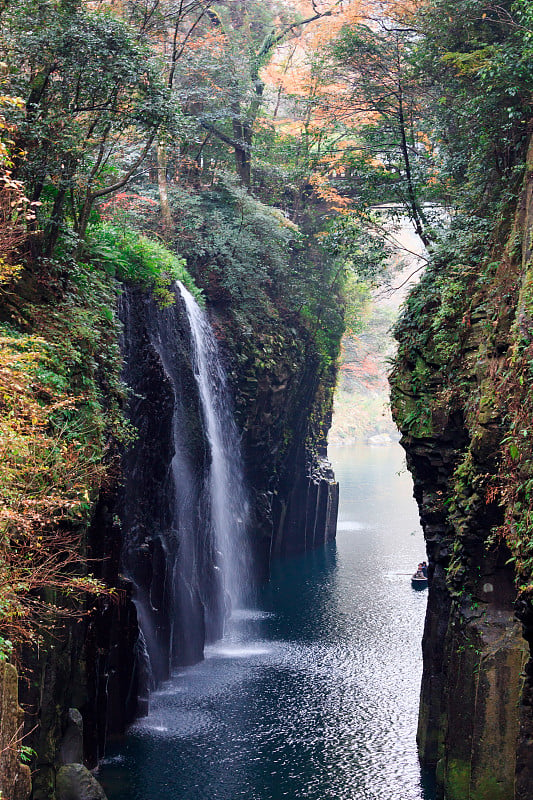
417	214
243	164
83	221
162	183
242	134
54	223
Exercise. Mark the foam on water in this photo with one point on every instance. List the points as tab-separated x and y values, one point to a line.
240	614
349	525
237	651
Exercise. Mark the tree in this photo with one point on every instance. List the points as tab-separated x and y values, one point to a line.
171	28
383	95
475	60
240	44
94	102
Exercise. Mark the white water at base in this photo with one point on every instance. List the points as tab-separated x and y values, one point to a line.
229	508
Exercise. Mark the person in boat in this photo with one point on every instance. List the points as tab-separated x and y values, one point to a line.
419	572
424	568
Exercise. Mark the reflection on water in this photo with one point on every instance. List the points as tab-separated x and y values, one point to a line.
314	694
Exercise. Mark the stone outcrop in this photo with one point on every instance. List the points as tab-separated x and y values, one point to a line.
461	396
75	782
71	747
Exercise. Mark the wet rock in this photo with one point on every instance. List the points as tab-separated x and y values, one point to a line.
75	782
284	397
71	747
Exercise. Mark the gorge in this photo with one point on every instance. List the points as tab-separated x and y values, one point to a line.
197	203
174	533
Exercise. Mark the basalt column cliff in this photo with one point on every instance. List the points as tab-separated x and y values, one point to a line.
163	528
462	395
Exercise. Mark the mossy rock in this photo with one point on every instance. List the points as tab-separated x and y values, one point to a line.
75	782
458	780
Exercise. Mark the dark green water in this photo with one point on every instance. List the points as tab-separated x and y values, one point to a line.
314	694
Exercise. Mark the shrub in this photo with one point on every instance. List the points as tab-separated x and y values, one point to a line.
135	258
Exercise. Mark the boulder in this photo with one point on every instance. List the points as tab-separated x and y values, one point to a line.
75	782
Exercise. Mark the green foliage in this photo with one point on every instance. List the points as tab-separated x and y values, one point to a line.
448	90
464	353
436	316
326	328
100	101
61	399
237	244
93	97
135	258
513	484
475	60
359	247
27	754
6	648
358	307
392	160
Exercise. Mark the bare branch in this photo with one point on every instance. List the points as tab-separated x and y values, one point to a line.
273	40
123	181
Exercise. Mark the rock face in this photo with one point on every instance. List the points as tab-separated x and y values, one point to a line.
165	554
103	665
284	410
71	749
75	782
461	391
284	396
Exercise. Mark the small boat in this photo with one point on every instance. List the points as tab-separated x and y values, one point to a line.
419	581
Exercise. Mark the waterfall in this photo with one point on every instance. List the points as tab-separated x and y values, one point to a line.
229	508
183	506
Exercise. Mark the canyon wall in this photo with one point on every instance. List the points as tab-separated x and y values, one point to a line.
149	537
461	394
284	393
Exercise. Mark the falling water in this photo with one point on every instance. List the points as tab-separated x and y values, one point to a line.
183	506
227	496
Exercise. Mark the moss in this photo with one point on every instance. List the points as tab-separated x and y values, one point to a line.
457	781
466	354
490	788
413	415
133	257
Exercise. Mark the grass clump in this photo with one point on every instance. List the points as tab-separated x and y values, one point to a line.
135	258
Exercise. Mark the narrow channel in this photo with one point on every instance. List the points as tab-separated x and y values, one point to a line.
313	694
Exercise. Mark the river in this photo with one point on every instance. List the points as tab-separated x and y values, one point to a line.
314	693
